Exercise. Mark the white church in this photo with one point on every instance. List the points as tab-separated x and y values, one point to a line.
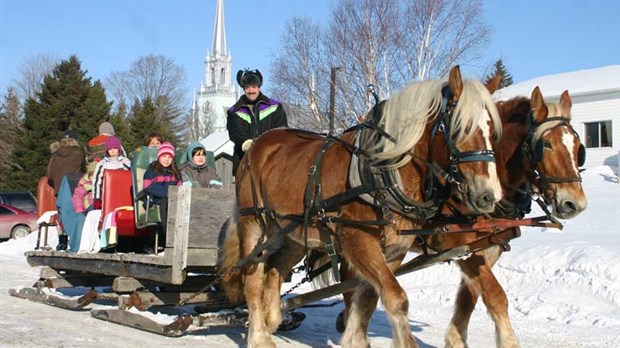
217	93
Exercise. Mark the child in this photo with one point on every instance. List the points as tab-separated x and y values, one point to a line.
195	171
113	160
158	176
82	199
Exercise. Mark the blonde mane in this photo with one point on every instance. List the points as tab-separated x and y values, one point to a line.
406	114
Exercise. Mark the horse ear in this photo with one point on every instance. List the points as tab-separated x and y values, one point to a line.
566	103
493	84
537	103
456	82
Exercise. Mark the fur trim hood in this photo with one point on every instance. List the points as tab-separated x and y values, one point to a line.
64	142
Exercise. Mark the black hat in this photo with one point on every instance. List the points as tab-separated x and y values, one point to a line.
70	134
249	78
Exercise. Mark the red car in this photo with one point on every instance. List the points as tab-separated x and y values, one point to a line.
16	223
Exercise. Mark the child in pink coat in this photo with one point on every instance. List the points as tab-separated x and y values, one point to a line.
82	199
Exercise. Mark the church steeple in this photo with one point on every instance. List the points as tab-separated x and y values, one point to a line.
217	92
219	31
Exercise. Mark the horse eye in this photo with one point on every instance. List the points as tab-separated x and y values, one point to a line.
547	144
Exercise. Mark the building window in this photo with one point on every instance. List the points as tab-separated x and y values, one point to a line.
212	76
598	134
223	76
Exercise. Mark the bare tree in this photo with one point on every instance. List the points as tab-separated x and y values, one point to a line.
32	73
201	127
438	34
149	77
387	43
300	73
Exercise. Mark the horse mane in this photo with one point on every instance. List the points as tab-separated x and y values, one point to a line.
406	114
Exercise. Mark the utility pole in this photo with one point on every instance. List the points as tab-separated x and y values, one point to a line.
332	99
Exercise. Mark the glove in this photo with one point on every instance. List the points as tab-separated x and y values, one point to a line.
246	145
97	204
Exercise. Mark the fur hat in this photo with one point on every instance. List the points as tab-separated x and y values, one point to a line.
165	148
106	128
70	134
249	78
112	142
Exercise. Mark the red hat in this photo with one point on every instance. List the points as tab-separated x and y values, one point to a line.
165	148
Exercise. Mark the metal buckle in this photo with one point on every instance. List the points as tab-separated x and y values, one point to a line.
331	251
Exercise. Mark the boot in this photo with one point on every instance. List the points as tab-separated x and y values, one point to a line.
63	240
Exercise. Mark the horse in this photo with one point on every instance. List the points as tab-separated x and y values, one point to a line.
538	148
287	176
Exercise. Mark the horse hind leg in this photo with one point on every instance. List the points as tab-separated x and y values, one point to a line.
359	306
259	335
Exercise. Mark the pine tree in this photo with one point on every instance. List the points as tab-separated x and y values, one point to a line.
500	70
142	122
68	100
11	118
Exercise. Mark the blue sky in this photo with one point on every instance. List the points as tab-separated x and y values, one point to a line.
533	37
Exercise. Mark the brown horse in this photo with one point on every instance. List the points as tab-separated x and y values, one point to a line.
538	147
275	186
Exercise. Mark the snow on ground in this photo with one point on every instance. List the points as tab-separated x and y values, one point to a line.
563	287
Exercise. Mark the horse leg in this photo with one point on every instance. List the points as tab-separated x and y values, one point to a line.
280	264
363	252
478	279
254	288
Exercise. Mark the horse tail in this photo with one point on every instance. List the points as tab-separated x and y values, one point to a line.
326	278
230	254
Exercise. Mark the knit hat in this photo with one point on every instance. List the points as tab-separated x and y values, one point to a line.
112	142
249	78
106	128
165	148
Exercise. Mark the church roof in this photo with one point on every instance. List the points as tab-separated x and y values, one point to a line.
218	142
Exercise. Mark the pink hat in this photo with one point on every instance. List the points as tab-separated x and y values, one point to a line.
112	142
165	148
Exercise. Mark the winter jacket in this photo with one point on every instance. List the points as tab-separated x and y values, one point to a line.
107	163
246	120
198	176
67	157
157	184
82	195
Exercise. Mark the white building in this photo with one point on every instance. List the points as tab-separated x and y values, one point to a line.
596	107
217	92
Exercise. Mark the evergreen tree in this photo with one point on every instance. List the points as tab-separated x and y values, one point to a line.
11	116
500	70
68	100
142	122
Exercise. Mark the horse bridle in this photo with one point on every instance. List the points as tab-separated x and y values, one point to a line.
537	152
443	126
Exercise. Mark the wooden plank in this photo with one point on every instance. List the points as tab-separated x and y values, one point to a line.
128	284
112	267
201	257
125	257
73	281
147	299
180	226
